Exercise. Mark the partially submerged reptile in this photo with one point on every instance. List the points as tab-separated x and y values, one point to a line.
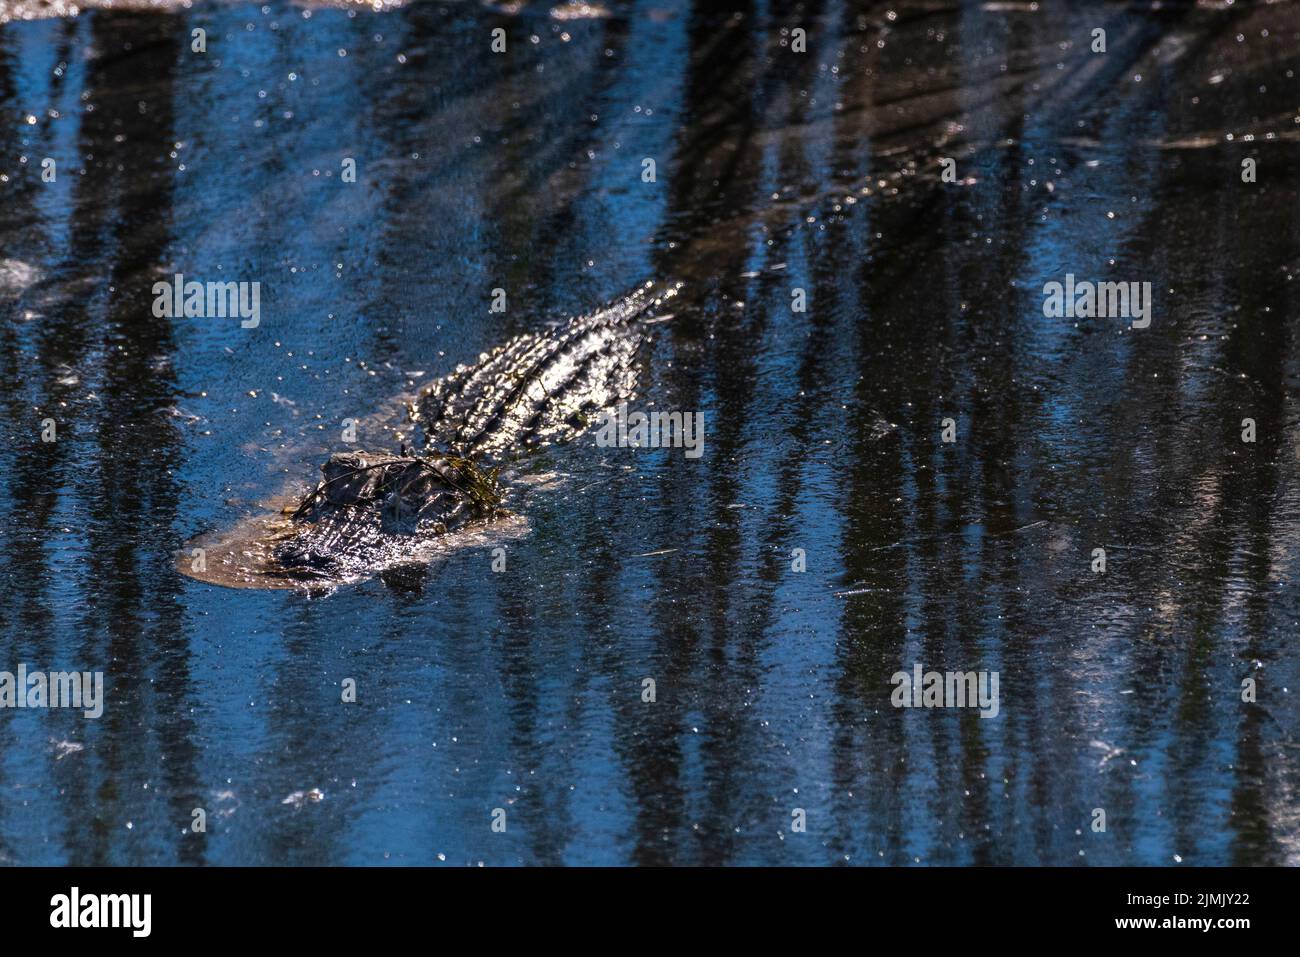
375	510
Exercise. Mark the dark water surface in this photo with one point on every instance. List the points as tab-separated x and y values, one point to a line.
776	170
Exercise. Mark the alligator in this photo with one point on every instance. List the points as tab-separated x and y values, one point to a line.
374	510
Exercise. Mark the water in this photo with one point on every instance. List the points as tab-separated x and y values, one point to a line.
775	171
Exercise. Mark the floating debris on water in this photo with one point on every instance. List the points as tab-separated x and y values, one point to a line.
300	799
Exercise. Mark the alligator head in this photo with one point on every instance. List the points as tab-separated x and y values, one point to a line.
370	506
